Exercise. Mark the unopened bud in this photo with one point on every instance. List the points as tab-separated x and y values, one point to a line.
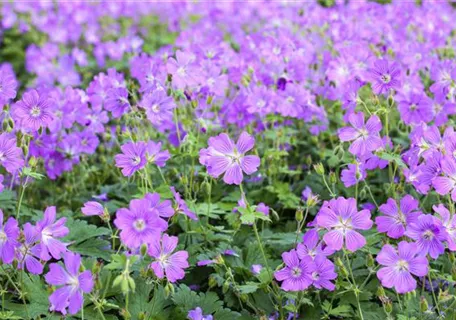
370	261
33	162
388	306
212	281
319	169
226	287
206	188
380	292
143	249
169	289
299	215
424	306
332	177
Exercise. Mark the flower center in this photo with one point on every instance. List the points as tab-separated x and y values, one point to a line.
74	282
35	112
428	235
296	272
315	275
402	265
413	107
3	236
139	225
2	156
136	160
163	260
155	108
386	78
181	71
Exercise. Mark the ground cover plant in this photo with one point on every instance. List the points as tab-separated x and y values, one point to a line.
218	160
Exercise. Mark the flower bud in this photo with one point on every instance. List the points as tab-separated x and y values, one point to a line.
423	304
206	188
370	261
33	162
212	281
332	177
226	286
380	292
169	289
319	169
388	306
299	215
143	249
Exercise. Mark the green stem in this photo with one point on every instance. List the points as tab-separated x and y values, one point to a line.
433	294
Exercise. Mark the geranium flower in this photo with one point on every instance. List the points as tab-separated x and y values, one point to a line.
225	157
429	234
297	273
400	265
33	111
28	253
341	217
132	158
49	231
365	137
10	155
92	208
384	76
167	264
73	284
9	233
323	274
395	219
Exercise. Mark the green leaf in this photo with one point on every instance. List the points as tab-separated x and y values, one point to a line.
80	231
391	157
93	248
341	311
249	287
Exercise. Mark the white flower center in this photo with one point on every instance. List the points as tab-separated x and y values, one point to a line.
296	272
35	111
402	265
3	236
386	78
139	225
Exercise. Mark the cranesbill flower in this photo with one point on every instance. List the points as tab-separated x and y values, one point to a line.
159	107
132	158
341	217
297	273
449	223
429	234
225	157
9	233
139	224
181	205
164	209
73	284
323	273
384	76
400	265
395	219
352	175
415	109
197	314
447	183
364	136
8	85
117	101
49	231
312	247
92	208
28	253
183	70
167	264
154	155
10	155
33	111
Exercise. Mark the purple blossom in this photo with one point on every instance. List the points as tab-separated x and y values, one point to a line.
395	220
92	208
73	284
197	314
429	234
449	223
415	109
400	265
159	107
132	158
10	155
139	224
447	183
323	274
164	209
312	247
28	253
181	205
117	101
225	157
9	234
384	76
8	85
256	269
154	155
364	136
49	231
341	218
297	273
167	264
354	174
33	111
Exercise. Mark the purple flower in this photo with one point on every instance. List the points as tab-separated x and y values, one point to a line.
182	206
365	137
263	208
28	253
8	85
92	208
354	174
154	155
415	109
395	219
225	157
73	284
297	273
33	111
323	273
400	265
449	223
2	178
117	101
10	155
342	218
197	314
311	247
164	209
139	224
384	76
9	233
256	269
183	70
167	264
447	183
49	231
429	234
132	158
159	107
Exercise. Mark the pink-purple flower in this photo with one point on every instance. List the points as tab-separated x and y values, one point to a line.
9	233
132	158
49	231
72	284
224	157
341	218
11	157
399	266
429	235
166	263
33	111
297	273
